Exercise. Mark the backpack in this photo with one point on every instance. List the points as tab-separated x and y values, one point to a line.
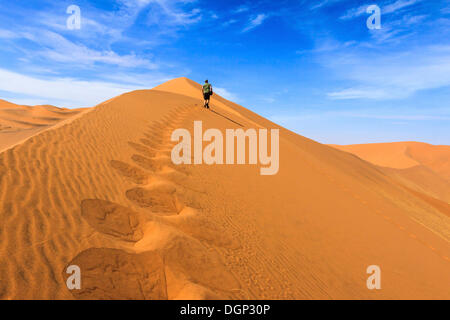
207	88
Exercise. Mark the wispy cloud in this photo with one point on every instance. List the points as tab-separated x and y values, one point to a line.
354	12
229	22
358	93
226	94
385	8
168	13
66	92
255	21
241	9
404	117
361	115
397	5
6	34
395	77
46	42
327	45
324	3
55	47
319	4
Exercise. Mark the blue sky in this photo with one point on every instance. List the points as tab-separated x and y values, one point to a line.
311	66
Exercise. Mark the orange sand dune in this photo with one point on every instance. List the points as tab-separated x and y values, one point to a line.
102	193
392	155
422	179
402	155
17	123
420	166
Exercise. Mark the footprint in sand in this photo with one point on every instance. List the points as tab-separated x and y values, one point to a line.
164	262
113	273
146	163
142	149
150	143
155	136
135	174
159	201
116	274
112	219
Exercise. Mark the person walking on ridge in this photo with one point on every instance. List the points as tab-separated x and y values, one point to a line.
207	93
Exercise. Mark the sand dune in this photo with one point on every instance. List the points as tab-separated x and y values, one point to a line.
403	155
101	192
419	166
17	123
422	179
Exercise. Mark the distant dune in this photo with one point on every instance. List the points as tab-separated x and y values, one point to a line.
17	123
101	192
403	155
420	166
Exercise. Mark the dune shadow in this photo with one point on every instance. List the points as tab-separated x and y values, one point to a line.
235	122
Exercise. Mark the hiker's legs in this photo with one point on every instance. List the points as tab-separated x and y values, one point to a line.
206	98
206	101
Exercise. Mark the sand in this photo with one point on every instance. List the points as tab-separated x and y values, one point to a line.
18	123
420	166
101	192
403	155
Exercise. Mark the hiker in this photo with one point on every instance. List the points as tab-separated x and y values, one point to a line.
207	93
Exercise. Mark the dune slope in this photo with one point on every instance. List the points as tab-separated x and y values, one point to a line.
102	193
419	166
403	155
18	123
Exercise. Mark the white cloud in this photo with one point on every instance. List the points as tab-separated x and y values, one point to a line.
165	14
52	42
169	13
58	48
328	45
358	93
6	34
324	3
386	9
242	8
229	22
396	76
319	5
409	20
397	5
355	12
420	117
268	99
256	21
363	115
139	80
226	94
62	92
